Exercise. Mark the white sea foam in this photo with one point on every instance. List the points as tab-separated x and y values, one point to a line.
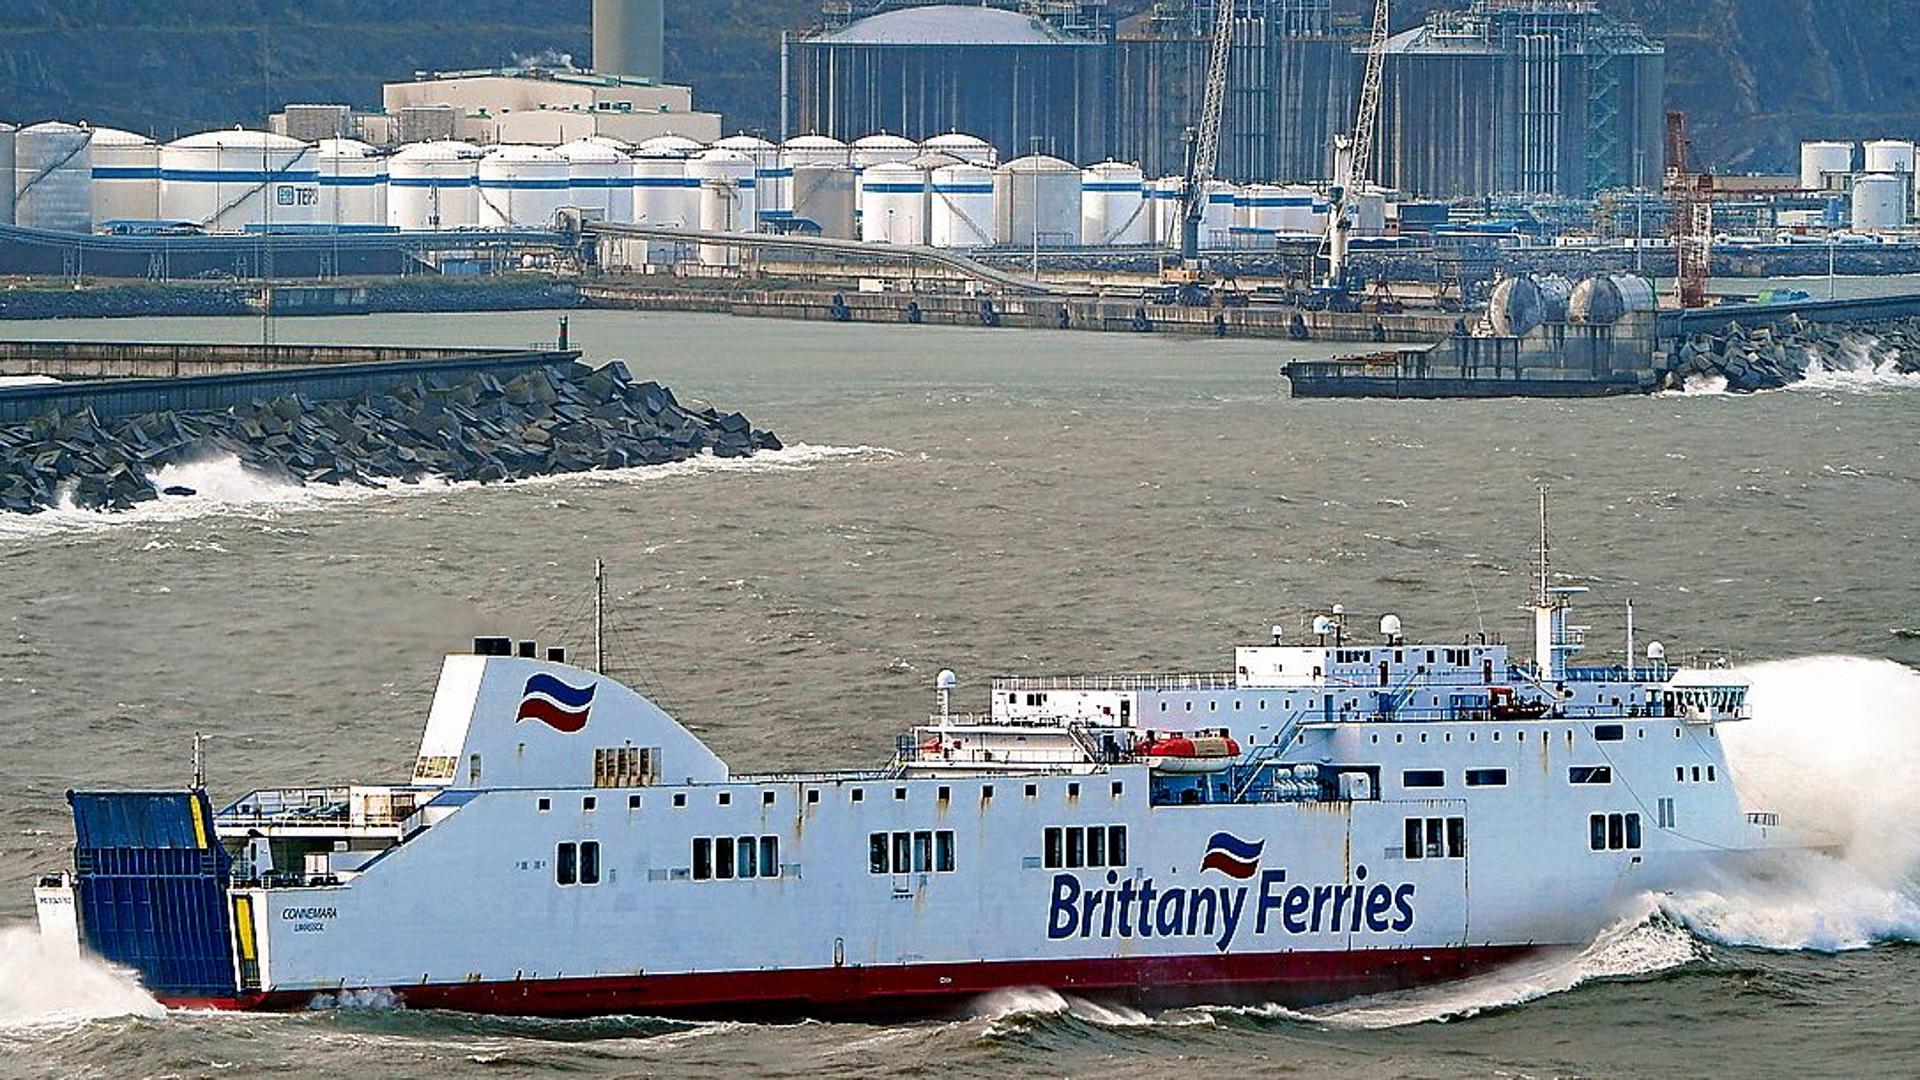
223	487
43	985
1019	1002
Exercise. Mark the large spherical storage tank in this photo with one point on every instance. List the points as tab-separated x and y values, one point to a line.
1163	202
893	204
772	194
960	213
599	178
823	201
7	133
53	177
1880	200
353	185
1888	156
1036	200
430	185
742	213
663	193
1601	300
1820	158
231	181
971	149
126	176
1113	206
1516	309
520	187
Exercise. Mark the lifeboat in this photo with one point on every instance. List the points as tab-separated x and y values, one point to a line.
1188	753
1506	707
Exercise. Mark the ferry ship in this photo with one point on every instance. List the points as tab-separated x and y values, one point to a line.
1343	814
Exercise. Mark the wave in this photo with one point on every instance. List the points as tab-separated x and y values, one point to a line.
43	985
223	487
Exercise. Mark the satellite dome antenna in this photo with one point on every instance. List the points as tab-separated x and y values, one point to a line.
943	685
1390	628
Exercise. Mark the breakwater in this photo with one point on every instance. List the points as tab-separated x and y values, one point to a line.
453	425
425	294
1785	352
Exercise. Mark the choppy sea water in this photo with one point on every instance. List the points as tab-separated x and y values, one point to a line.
999	501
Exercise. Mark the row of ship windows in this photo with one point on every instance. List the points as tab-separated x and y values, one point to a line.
1434	778
922	852
723	857
590	803
1436	838
1083	845
577	863
1601	733
1613	832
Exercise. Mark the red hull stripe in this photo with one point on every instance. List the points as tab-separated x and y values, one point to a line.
1289	978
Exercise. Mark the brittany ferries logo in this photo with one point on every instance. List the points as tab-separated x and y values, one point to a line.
1139	908
555	704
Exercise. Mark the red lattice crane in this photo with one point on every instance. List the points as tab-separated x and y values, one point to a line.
1689	214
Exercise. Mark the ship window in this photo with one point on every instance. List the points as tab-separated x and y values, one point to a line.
590	862
1423	778
588	803
766	798
1456	838
1118	788
746	864
725	798
1076	849
1096	846
1413	845
1680	774
813	795
702	858
946	793
1633	830
1051	848
680	799
1609	732
544	805
986	792
856	795
1435	839
1597	832
1073	791
723	856
769	856
900	793
1486	778
1616	832
1696	774
902	852
943	851
1033	791
633	802
1116	845
1590	774
922	852
877	853
566	865
1709	774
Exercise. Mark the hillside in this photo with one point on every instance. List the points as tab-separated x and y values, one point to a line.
1756	75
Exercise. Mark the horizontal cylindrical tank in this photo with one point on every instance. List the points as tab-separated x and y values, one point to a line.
1888	156
1515	309
1880	200
7	133
599	179
431	185
1036	201
53	177
520	187
663	193
971	149
717	164
126	177
823	202
232	181
960	213
1602	299
893	204
353	185
1821	158
1113	206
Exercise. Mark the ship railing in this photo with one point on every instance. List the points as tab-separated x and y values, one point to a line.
849	775
1656	673
289	805
1191	680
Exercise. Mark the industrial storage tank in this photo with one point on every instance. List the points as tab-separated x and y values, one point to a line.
1889	156
1257	212
53	177
663	193
823	201
1163	206
430	185
960	213
1823	157
1880	200
1036	202
724	207
521	187
126	177
353	185
1516	307
671	144
1216	215
883	149
7	133
232	181
1602	299
599	179
971	149
772	194
1113	206
815	150
893	204
741	214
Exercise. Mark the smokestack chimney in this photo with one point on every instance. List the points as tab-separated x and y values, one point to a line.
629	38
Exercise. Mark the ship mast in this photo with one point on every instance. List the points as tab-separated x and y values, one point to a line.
599	617
1553	639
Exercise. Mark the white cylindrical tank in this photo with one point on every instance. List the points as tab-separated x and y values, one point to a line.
663	193
1880	201
1036	201
1216	215
521	186
823	201
1820	158
960	214
724	207
7	133
1259	210
742	214
233	181
1163	197
883	149
1113	206
126	177
430	185
1888	156
671	144
772	192
599	179
353	185
53	177
815	150
893	204
971	149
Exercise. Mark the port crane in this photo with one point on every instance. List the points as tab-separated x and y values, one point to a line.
1689	214
1203	154
1353	153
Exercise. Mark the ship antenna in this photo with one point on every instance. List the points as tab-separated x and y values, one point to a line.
1543	599
199	762
599	617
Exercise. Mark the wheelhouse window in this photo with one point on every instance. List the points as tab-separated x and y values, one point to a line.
1486	778
590	862
1423	778
1590	774
566	864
